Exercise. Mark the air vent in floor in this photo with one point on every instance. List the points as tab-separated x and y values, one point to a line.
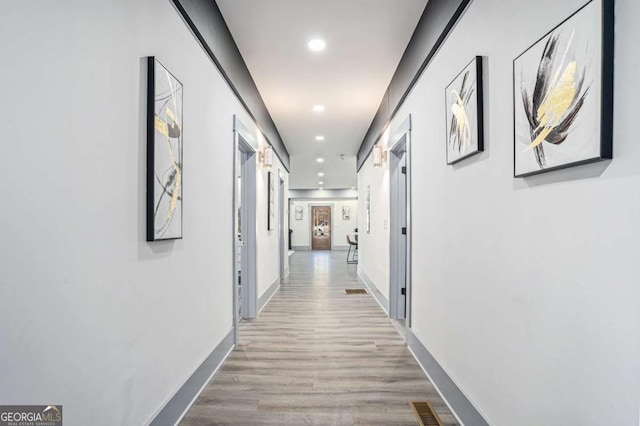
425	414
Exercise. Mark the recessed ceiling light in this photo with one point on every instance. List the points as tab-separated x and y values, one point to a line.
320	174
320	160
353	187
317	45
321	183
318	108
319	138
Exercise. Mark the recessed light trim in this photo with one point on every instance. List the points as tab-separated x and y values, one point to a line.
318	108
317	44
321	174
320	160
321	183
319	138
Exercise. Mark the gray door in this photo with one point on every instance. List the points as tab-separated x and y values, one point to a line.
402	248
399	231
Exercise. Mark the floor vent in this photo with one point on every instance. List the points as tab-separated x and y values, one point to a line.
425	414
355	291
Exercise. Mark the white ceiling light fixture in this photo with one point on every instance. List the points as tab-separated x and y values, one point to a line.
317	45
321	183
320	174
320	160
319	138
318	108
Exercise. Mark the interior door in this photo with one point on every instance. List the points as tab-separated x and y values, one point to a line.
321	228
402	195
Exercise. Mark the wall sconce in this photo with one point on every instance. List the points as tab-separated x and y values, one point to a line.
379	156
266	157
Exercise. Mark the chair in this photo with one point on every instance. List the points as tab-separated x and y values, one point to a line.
352	259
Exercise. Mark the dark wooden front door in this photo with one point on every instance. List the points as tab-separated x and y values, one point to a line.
321	228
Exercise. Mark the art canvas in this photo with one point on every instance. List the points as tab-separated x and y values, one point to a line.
298	212
271	202
464	113
346	212
164	153
368	209
563	92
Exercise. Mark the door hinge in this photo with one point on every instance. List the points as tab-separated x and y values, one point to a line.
404	231
404	170
403	291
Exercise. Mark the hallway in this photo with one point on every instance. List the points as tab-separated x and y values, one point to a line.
317	356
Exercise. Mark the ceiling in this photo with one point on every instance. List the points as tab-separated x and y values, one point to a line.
365	40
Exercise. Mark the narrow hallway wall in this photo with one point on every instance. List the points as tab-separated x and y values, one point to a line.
94	317
268	240
373	250
524	290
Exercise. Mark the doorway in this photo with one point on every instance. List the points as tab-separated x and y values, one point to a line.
245	301
400	225
284	252
320	228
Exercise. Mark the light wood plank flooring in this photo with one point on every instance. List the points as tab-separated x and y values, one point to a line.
316	356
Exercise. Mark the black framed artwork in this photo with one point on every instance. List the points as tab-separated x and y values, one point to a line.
271	202
563	94
368	213
346	212
164	153
464	112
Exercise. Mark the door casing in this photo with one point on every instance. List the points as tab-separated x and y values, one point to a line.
282	228
400	216
311	217
245	147
310	209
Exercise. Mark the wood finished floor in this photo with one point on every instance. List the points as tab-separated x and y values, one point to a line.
316	356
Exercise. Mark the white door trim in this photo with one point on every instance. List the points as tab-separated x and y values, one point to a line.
400	142
245	143
282	226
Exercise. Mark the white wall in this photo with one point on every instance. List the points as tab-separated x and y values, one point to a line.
268	241
525	290
373	246
301	236
93	317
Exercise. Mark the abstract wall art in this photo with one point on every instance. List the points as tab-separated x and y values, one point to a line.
346	212
271	202
164	153
298	212
368	213
465	133
563	94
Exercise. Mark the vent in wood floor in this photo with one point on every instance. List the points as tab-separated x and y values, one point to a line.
355	291
425	414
